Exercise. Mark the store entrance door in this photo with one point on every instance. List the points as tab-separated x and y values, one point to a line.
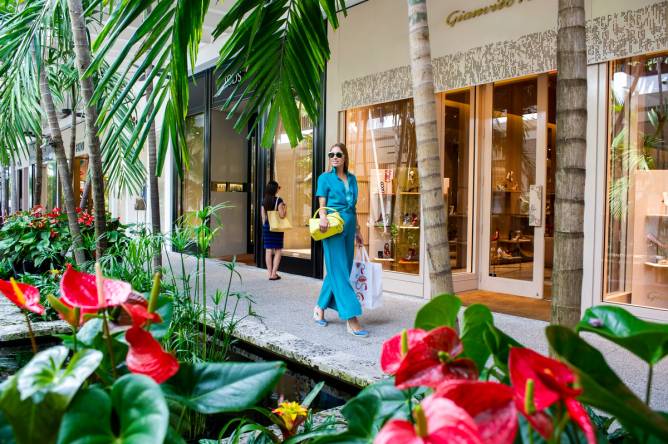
518	186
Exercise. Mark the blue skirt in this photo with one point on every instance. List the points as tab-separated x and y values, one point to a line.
271	239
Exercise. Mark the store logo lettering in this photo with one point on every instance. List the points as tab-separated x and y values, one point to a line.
458	15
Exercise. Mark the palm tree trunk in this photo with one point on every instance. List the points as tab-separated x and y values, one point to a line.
14	175
434	216
37	183
73	130
153	191
63	168
571	156
83	58
85	194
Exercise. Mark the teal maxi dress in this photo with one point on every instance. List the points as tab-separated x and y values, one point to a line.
337	293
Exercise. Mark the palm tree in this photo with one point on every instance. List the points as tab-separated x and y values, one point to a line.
56	140
571	147
434	216
83	60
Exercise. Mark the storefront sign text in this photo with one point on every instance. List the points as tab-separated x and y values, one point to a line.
459	15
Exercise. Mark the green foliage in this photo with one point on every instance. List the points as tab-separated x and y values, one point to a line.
647	340
135	400
280	50
222	387
601	387
34	400
440	311
477	320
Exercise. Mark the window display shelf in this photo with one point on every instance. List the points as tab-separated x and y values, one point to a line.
655	265
409	193
408	227
656	215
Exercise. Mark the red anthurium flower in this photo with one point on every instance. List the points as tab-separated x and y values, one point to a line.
490	404
140	315
433	360
392	353
24	296
80	290
437	421
539	382
146	356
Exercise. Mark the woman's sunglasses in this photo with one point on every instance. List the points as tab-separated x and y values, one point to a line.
338	155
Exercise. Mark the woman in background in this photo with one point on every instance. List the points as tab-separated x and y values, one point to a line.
273	241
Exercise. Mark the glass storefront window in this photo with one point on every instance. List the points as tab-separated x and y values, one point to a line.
50	185
293	170
513	171
457	112
636	244
192	183
381	144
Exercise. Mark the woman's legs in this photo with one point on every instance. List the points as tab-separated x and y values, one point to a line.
277	262
269	260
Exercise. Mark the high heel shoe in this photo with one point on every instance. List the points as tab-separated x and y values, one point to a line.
320	321
358	333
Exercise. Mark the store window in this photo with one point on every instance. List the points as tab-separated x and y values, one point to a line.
192	182
513	171
381	143
49	185
636	245
293	170
456	129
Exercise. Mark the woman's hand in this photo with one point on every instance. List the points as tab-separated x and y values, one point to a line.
324	224
358	238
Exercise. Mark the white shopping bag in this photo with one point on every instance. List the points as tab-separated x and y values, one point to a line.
366	280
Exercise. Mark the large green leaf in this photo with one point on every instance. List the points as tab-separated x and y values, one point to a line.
45	374
440	311
222	387
6	434
477	320
499	344
647	340
367	412
35	399
136	401
601	387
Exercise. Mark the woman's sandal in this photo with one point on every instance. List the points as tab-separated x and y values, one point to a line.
320	321
357	333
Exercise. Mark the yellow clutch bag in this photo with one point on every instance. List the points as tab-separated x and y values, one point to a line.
335	225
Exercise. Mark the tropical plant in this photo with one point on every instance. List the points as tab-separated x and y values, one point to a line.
116	385
485	387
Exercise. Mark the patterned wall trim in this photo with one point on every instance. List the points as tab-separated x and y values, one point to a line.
608	37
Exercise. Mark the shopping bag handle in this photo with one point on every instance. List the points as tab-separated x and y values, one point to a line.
363	254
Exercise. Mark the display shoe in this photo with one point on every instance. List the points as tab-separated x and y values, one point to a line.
415	222
503	254
655	241
411	256
407	219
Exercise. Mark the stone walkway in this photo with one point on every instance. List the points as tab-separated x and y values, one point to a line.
285	327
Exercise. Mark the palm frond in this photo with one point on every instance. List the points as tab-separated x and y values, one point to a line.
281	48
162	49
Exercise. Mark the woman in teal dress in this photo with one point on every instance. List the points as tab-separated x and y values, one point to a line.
337	189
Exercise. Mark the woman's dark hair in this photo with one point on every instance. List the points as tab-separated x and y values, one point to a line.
269	201
344	150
